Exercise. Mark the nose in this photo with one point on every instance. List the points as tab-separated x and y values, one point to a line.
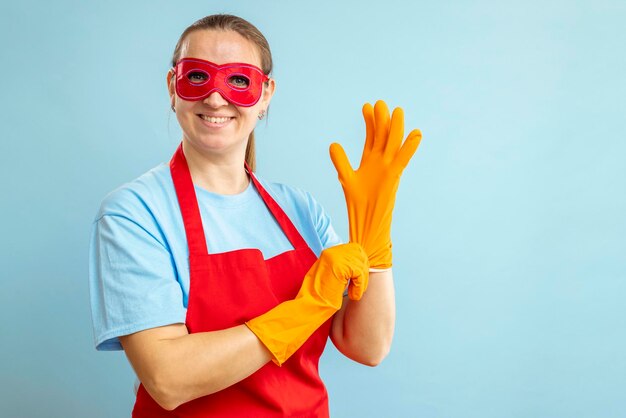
215	99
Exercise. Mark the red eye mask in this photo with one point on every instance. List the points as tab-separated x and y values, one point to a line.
241	84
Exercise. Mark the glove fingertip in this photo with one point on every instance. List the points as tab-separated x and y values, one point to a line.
415	135
339	159
367	110
336	148
397	113
381	106
409	147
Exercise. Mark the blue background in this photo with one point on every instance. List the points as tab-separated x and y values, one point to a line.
509	229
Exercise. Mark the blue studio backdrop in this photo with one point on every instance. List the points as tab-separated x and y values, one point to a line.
509	230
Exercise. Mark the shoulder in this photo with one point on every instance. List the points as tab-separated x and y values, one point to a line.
308	215
307	212
292	198
139	197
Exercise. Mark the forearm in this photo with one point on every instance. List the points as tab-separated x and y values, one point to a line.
363	330
176	367
180	368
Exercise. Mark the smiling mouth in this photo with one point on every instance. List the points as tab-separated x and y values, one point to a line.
215	119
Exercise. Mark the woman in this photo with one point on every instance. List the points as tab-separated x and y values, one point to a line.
223	289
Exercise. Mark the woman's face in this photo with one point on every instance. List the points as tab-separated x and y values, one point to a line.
214	125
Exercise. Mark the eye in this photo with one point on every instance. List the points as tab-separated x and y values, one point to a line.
239	82
197	77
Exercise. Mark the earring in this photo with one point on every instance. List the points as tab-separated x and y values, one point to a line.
261	114
173	109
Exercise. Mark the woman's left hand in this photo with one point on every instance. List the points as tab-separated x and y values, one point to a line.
370	191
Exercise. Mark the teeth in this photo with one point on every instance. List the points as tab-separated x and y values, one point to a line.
214	120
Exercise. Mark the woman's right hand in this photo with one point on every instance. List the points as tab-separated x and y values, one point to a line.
286	327
337	267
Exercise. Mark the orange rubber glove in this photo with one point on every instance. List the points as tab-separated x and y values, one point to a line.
370	191
286	327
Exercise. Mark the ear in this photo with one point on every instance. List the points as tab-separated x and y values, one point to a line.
171	85
268	92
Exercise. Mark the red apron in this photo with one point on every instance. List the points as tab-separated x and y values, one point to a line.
230	288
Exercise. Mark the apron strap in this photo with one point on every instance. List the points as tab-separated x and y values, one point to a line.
188	203
283	220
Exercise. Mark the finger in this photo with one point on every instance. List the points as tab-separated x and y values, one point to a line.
360	272
368	117
396	134
340	161
381	120
408	148
358	286
358	283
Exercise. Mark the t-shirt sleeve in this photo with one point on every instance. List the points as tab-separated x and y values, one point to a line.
323	224
132	279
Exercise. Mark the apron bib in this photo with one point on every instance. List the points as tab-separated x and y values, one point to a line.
227	289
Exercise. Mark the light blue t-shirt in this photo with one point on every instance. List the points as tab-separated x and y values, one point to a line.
138	258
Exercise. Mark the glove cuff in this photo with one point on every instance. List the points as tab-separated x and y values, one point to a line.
379	270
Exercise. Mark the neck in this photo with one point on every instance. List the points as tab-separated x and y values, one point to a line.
216	173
